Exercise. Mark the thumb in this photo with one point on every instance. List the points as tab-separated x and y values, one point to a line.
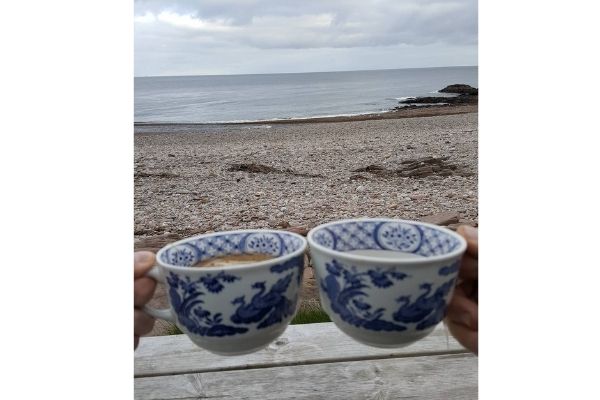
143	261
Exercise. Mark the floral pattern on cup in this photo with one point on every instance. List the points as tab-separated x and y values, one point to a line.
183	255
427	309
398	236
194	251
345	289
296	262
264	243
348	291
385	282
186	300
386	235
266	307
449	269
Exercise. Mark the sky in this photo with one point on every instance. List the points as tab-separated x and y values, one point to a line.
220	37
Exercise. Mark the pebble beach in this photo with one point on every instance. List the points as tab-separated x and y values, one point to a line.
193	179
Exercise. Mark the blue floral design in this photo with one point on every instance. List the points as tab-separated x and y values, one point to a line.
325	238
272	306
212	284
181	256
381	279
296	262
215	245
384	234
266	243
348	299
185	296
449	269
428	309
398	236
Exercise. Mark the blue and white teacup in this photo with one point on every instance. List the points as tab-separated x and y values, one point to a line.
233	309
385	282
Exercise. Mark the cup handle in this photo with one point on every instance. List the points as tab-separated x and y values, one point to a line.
165	313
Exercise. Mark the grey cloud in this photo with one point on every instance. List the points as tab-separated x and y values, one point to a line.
215	35
294	24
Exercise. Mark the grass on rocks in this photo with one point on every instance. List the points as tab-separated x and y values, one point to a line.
310	317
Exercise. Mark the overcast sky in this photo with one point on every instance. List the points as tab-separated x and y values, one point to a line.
200	37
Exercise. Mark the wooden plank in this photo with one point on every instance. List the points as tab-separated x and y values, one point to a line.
299	344
440	377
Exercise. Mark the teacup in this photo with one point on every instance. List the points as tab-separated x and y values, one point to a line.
232	309
385	282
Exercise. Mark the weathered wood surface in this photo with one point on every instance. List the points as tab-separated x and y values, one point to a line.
451	376
299	344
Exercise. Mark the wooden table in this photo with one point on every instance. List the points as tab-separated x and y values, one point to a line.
307	362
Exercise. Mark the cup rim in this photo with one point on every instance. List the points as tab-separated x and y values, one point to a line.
387	261
232	267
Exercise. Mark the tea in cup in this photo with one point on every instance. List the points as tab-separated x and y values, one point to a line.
231	292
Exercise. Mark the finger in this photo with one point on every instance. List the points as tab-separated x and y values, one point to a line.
471	235
143	323
459	289
142	263
469	268
143	289
463	311
465	336
468	289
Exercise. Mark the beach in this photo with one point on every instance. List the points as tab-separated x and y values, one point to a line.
188	178
195	178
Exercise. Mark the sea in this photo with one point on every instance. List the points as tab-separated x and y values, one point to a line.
243	98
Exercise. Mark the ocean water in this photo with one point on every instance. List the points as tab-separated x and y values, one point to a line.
232	98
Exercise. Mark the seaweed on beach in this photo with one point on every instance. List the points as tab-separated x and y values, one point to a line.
160	174
418	168
266	169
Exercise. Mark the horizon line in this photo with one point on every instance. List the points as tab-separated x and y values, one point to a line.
307	72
